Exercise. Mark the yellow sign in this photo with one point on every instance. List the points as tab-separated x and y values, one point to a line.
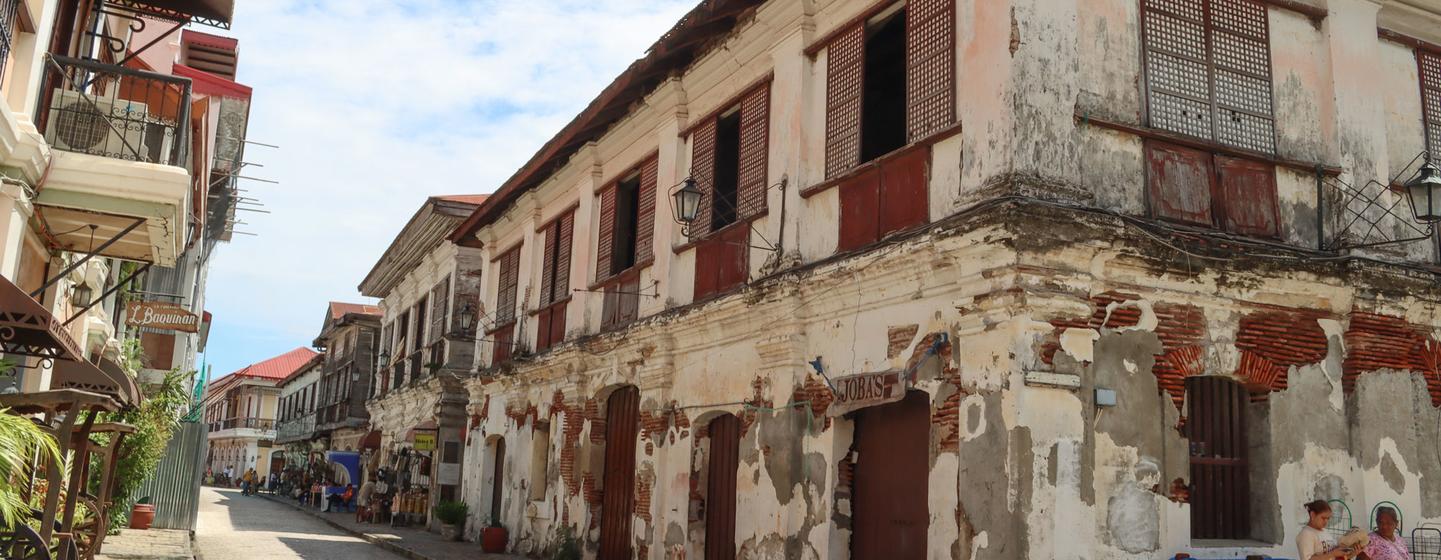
425	442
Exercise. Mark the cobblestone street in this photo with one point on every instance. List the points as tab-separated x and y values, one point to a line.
236	527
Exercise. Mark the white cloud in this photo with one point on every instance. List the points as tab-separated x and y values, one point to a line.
377	105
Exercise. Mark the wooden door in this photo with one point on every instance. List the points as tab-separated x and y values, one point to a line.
1220	487
892	467
721	467
497	481
618	488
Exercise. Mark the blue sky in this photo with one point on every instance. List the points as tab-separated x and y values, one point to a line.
377	105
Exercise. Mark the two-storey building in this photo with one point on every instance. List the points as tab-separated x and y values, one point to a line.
348	339
242	408
971	279
295	431
427	285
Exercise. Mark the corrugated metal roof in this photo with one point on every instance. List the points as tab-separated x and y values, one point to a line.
278	367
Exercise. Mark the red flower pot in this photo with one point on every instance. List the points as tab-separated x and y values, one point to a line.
492	539
141	516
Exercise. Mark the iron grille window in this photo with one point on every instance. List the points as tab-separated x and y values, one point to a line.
508	286
1208	71
890	81
1430	70
729	156
9	15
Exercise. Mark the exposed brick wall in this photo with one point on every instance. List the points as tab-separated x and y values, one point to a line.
1180	327
819	395
520	415
1375	341
946	423
899	338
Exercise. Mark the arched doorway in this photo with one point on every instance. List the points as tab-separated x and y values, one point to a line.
617	491
892	444
1220	482
721	467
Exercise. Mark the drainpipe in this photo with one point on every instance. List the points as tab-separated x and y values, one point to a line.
1320	211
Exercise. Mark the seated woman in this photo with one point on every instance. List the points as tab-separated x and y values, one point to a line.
1312	542
1386	541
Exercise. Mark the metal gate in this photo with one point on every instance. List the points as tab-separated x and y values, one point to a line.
618	488
724	461
1220	487
175	488
892	467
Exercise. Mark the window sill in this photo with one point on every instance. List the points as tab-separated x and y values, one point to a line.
926	142
632	272
739	223
557	303
1213	147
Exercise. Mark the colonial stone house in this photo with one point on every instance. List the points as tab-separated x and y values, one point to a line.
969	279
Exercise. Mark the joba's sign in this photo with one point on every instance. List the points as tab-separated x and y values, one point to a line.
855	392
160	315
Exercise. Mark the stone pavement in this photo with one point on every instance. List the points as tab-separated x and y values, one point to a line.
416	544
235	527
153	544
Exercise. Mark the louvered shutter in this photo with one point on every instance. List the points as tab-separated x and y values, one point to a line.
845	69
1247	193
1241	55
565	231
1179	97
439	296
930	67
645	214
605	238
703	171
547	267
754	144
509	283
1430	68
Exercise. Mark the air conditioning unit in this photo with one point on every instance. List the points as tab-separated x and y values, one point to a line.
108	126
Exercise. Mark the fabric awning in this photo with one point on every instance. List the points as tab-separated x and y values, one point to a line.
107	379
28	329
215	13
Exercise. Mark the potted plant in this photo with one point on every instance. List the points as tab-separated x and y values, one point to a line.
451	515
492	538
142	514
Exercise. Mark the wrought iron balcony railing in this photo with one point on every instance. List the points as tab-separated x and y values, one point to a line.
250	423
106	110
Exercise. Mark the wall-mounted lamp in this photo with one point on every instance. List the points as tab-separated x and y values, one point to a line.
1424	190
687	204
80	294
467	317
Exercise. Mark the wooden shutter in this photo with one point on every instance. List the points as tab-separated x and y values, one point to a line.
547	265
645	213
618	480
1241	56
565	232
1179	183
439	298
755	141
721	469
1247	195
509	283
845	73
860	201
930	67
1430	70
702	169
1177	79
605	238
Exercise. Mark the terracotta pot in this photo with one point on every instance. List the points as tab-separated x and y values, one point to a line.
492	539
141	516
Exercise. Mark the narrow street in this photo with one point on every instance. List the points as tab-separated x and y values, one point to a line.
238	527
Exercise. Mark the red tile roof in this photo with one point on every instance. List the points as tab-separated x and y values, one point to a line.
280	366
341	309
475	199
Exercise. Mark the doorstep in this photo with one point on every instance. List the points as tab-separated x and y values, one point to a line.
150	544
416	544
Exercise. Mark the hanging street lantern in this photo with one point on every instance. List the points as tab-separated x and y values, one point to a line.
687	202
467	318
1425	194
80	295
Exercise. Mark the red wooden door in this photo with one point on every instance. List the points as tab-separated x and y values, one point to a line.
1220	487
892	466
497	481
724	460
618	487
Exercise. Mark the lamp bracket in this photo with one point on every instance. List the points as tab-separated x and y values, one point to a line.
1372	214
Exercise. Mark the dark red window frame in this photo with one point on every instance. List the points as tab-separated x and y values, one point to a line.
645	219
555	280
506	300
1203	188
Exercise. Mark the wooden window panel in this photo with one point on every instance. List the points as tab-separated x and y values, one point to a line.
508	286
1247	196
547	263
754	146
905	198
732	270
930	67
1429	64
1241	58
605	238
1179	183
645	216
1220	481
556	328
707	259
542	330
502	340
845	70
702	167
566	238
860	199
